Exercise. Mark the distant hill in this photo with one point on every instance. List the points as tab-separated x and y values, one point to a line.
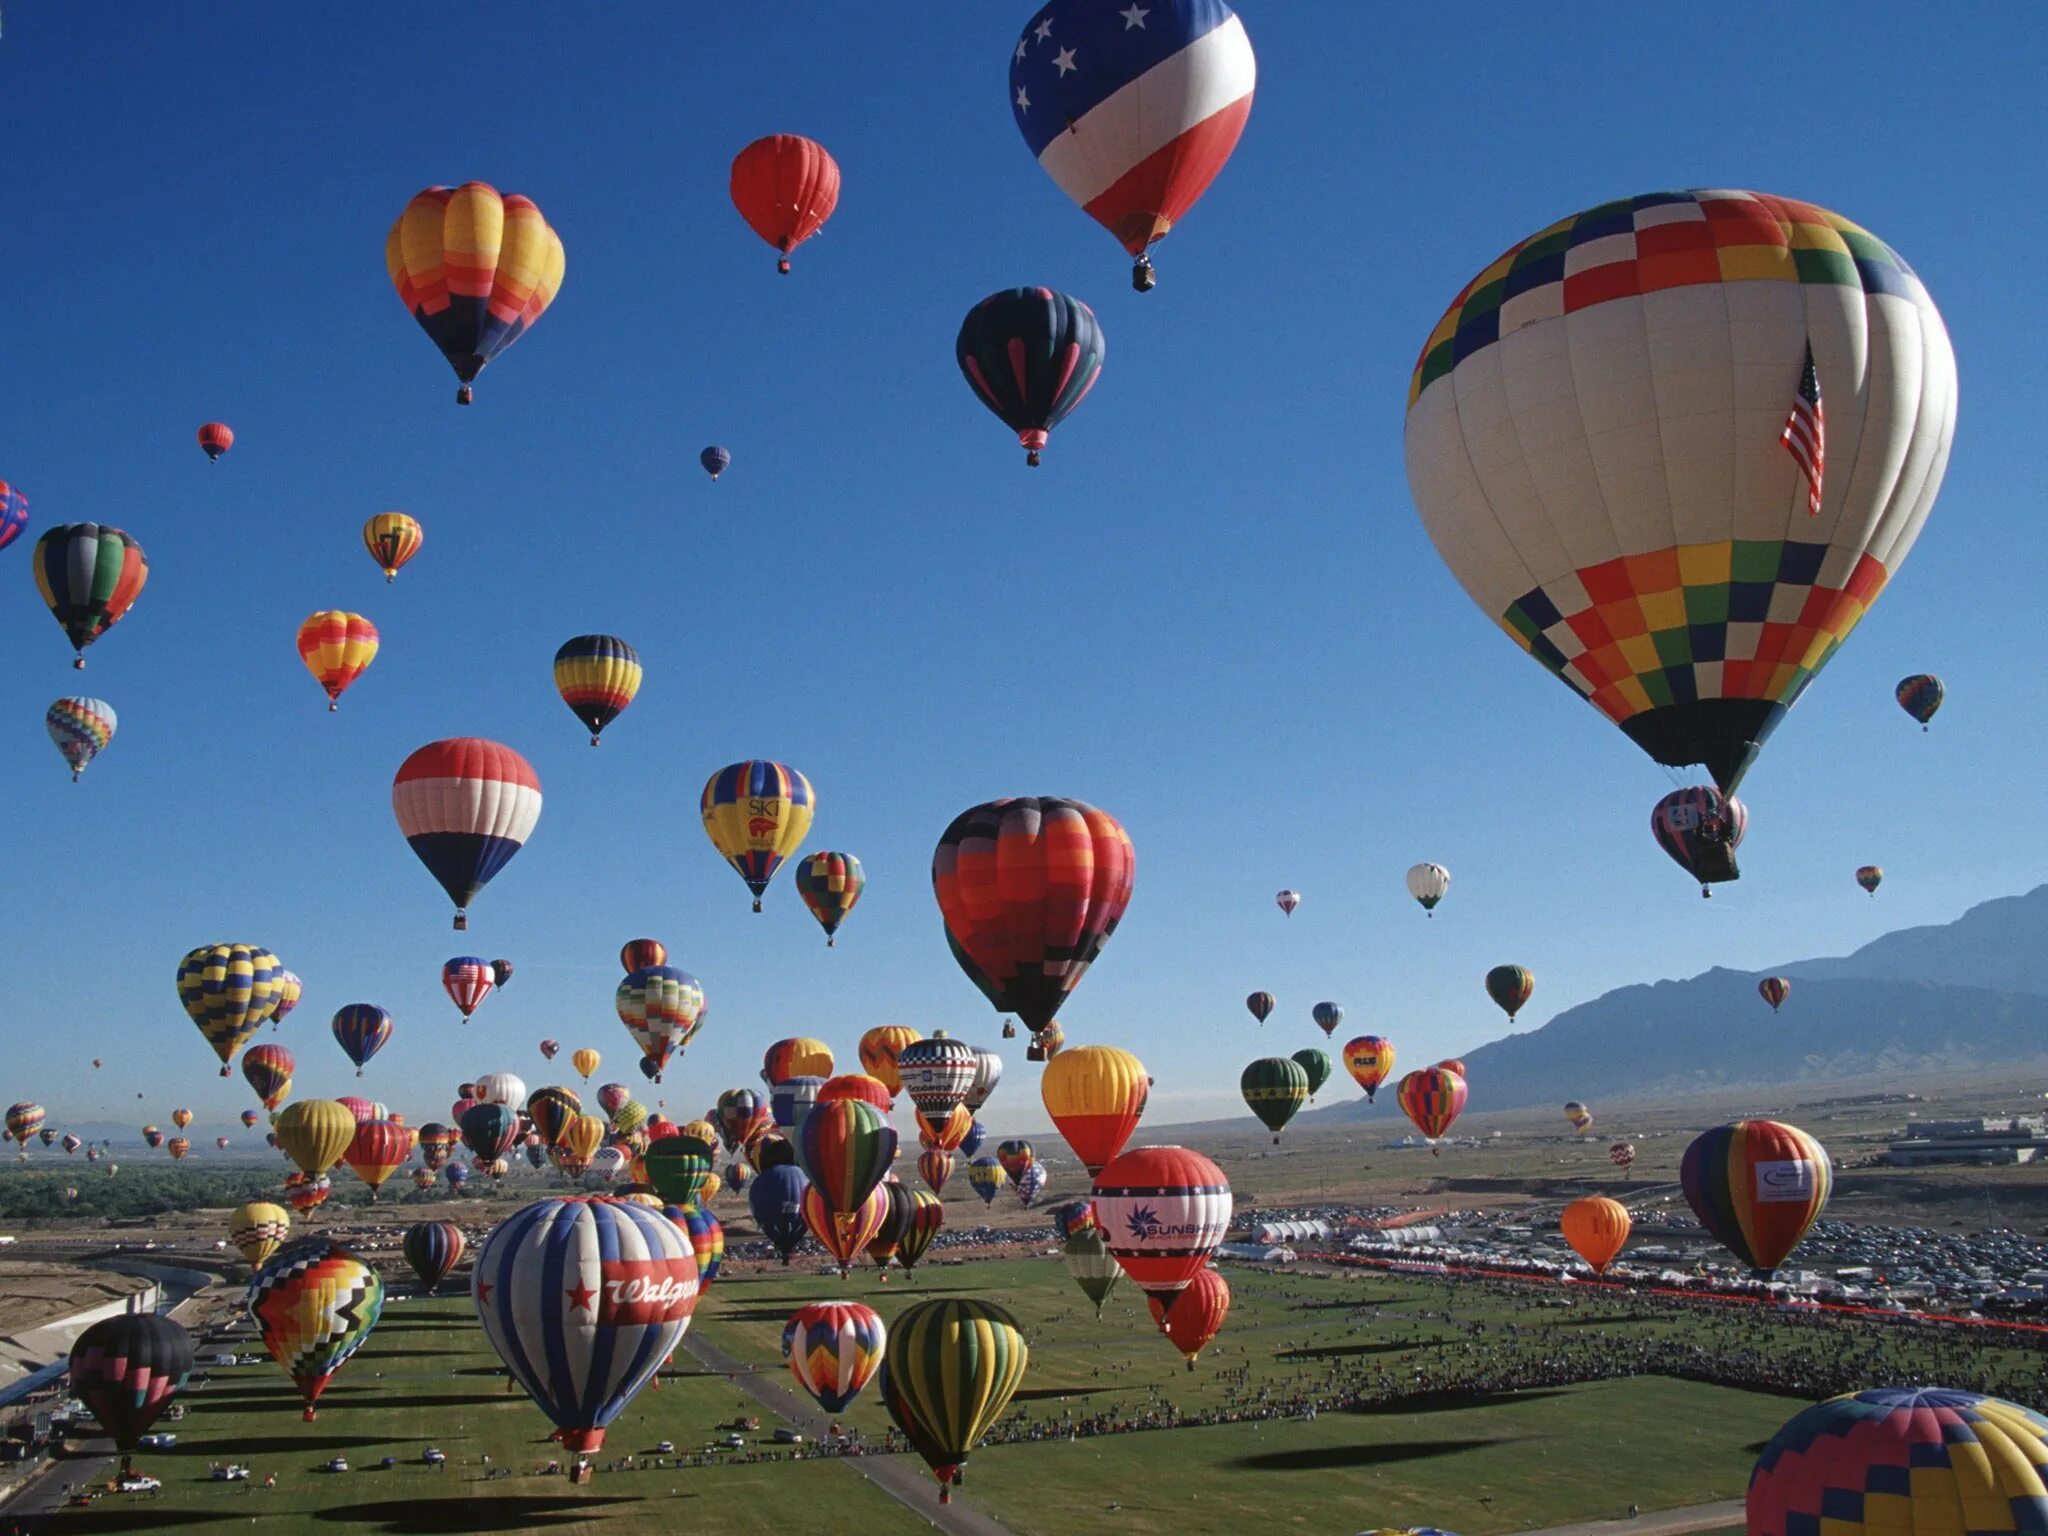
1966	995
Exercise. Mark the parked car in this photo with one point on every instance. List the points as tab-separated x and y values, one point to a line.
230	1472
338	1464
788	1436
433	1456
159	1440
137	1482
665	1448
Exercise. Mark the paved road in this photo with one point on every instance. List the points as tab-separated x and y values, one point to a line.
904	1478
1660	1522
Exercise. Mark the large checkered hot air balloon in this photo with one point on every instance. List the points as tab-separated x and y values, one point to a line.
315	1304
81	728
229	990
1133	111
476	270
1598	435
583	1297
756	815
661	1008
466	805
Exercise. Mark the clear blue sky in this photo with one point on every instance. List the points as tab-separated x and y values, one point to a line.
1213	611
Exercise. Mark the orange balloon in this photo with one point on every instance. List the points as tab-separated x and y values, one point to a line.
785	187
1596	1227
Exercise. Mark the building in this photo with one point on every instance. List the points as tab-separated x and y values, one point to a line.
1987	1142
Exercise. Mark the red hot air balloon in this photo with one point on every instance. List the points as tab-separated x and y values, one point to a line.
215	439
1163	1212
1433	1098
1030	890
785	187
643	954
1196	1316
466	806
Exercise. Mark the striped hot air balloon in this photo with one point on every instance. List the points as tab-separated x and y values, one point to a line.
1433	1098
797	1056
13	513
707	1239
81	728
466	805
433	1249
833	1348
378	1150
949	1369
756	815
1510	987
597	677
1920	696
1163	1211
1030	355
89	575
1757	1185
1261	1005
215	439
228	990
126	1370
361	1030
583	1297
844	1234
337	648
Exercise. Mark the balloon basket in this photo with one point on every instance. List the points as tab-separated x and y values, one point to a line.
781	266
1143	278
461	922
78	663
308	1416
464	395
223	1071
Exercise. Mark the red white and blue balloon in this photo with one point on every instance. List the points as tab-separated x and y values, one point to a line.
466	806
468	980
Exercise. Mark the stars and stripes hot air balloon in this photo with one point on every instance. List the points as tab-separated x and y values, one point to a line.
597	677
475	269
126	1370
1700	828
337	648
1428	884
1261	1005
949	1369
1902	1461
13	513
258	1229
465	805
215	439
1274	1087
785	186
833	1349
830	883
361	1030
1774	990
1433	1098
392	538
756	815
81	728
1596	1227
1196	1316
662	1008
1757	1185
89	575
583	1297
228	990
1639	360
1369	1059
468	980
315	1304
716	461
1095	1095
1163	1212
433	1249
1133	112
1030	355
1920	696
1510	987
1030	890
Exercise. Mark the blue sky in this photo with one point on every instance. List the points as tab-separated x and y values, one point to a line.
1213	611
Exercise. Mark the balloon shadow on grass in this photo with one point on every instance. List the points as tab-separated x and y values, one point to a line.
1331	1457
1344	1351
1454	1402
430	1517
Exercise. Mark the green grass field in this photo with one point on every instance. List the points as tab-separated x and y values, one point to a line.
1510	1462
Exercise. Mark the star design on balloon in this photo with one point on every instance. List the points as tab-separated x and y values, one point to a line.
1043	30
1134	17
483	1290
1063	61
580	1296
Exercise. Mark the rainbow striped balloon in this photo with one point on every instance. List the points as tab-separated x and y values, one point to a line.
81	728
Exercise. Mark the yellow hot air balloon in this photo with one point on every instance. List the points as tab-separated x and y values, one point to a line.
1095	1094
879	1048
712	1185
756	815
257	1229
586	1061
703	1130
392	538
181	1118
582	1136
315	1133
337	647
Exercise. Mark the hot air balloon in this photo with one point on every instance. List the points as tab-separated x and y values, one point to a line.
392	538
362	1109
220	1143
1369	1059
845	1147
466	806
926	1216
1196	1315
315	1304
1432	1097
490	1130
1510	987
1095	1095
844	1234
661	1008
776	1200
1016	1155
126	1370
1136	130
899	1203
433	1249
251	1119
630	1283
1622	1154
756	815
986	1178
13	513
47	1136
436	1142
639	954
797	1056
501	971
23	1120
949	1133
679	1167
949	1369
1596	1227
179	1117
582	1136
1870	877
551	1109
988	1072
1030	891
935	1167
1274	1087
879	1048
377	1151
1920	696
1318	1065
1328	1017
475	269
71	1143
1723	571
467	979
706	1235
1030	1184
289	990
1911	1460
716	461
1774	990
1428	884
830	883
337	648
90	575
832	1348
457	1174
1261	1005
1030	355
229	990
215	439
1578	1117
1757	1185
1701	828
1454	1064
258	1229
361	1029
500	1088
785	187
314	1134
1163	1211
1287	901
152	1137
1090	1262
81	728
742	1115
936	1073
597	677
586	1062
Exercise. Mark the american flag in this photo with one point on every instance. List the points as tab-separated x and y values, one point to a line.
1805	436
